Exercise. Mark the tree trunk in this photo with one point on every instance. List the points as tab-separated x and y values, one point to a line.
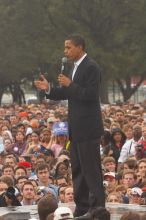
104	89
127	91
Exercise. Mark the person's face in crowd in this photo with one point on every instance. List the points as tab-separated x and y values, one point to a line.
7	144
28	192
132	122
61	182
21	129
135	199
8	171
128	180
139	176
144	132
62	169
46	136
6	123
142	167
39	116
46	115
20	172
4	128
43	175
3	187
117	137
5	135
113	199
129	133
34	137
10	161
137	133
61	138
21	183
72	52
19	137
13	120
1	121
68	195
119	116
110	166
111	183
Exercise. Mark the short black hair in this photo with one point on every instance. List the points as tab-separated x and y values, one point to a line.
77	40
100	213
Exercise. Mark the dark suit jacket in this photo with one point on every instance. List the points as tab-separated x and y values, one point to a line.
84	113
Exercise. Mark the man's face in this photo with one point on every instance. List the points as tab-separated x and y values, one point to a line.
119	116
21	183
111	183
61	182
128	180
71	51
10	161
43	175
28	192
69	195
8	171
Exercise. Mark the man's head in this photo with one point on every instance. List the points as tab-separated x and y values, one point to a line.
100	213
20	182
109	164
68	194
28	191
110	179
46	205
20	171
74	47
42	172
129	178
8	170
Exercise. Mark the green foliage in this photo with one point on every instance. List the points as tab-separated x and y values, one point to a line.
33	31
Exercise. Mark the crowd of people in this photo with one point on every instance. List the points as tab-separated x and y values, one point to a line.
35	159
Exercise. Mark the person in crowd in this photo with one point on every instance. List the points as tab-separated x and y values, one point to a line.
47	205
110	182
28	194
129	178
120	117
129	148
20	143
130	216
43	172
20	182
68	194
114	197
109	164
8	170
100	213
20	171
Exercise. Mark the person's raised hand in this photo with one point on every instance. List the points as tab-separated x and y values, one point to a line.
42	84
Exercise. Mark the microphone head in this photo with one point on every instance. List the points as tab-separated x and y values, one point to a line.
64	60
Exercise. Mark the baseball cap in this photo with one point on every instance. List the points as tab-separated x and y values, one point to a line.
63	213
110	174
136	191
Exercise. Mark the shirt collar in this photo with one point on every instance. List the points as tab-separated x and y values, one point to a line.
80	60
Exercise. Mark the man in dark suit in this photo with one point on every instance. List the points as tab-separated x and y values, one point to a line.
85	124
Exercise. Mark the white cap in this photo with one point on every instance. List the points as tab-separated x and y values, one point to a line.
111	174
136	191
63	213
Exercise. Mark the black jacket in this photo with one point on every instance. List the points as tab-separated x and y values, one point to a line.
84	113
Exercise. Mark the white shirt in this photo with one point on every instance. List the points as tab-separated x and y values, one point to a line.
128	149
76	64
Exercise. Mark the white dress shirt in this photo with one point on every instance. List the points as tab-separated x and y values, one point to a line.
76	64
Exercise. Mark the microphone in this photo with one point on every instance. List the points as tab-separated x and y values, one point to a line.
63	64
